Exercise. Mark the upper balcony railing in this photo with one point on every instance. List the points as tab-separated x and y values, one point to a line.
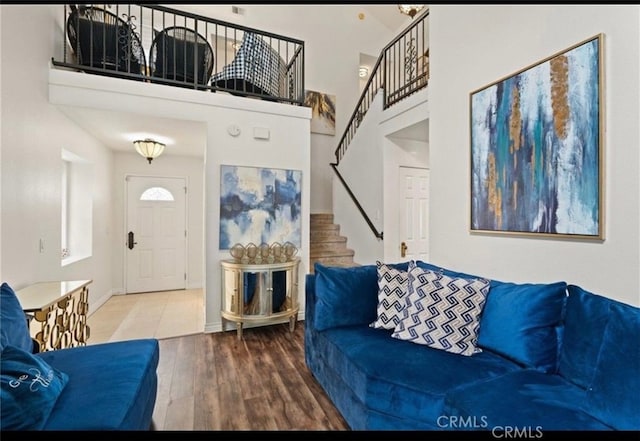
165	46
401	70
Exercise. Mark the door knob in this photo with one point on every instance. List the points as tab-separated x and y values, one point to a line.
130	242
403	249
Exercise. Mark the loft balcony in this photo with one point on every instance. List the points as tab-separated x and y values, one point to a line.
156	44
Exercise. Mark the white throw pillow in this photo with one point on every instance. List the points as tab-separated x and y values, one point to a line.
442	312
392	290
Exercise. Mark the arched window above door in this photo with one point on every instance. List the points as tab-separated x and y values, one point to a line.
156	194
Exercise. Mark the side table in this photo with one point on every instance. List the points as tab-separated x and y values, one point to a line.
59	312
260	293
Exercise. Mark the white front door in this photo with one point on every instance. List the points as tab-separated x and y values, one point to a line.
155	236
414	213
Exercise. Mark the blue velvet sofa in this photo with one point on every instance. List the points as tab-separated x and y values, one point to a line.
550	357
101	387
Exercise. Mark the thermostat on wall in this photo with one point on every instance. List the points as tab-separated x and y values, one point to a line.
233	130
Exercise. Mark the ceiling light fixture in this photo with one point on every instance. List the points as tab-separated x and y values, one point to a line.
410	10
149	148
363	71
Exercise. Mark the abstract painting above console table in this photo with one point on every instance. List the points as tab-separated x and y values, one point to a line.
259	205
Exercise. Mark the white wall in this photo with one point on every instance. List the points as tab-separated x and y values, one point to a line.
360	238
476	45
322	154
190	168
334	37
1	137
33	135
288	148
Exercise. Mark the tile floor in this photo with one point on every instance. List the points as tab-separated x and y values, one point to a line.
161	315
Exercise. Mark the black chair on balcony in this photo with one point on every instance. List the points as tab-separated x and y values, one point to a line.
102	40
180	54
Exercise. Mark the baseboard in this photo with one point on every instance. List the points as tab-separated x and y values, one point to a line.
213	327
102	300
194	285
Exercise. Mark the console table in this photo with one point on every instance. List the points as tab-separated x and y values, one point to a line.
58	312
260	293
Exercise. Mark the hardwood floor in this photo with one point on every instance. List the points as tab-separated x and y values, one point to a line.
216	382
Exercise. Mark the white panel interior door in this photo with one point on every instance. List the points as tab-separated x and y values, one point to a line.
414	213
156	234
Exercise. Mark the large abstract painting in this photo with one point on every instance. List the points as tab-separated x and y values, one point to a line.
259	205
536	153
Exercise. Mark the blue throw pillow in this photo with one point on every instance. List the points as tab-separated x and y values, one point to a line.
614	395
29	389
520	322
345	296
446	271
585	319
13	322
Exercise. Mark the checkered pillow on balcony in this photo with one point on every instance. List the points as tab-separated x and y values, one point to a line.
256	63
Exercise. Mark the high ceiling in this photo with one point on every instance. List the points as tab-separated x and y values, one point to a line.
388	15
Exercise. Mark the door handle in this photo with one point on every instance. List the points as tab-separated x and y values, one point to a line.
403	249
130	242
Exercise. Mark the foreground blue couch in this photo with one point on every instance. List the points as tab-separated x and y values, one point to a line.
108	386
553	357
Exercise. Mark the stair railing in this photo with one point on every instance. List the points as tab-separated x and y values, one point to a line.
401	70
378	234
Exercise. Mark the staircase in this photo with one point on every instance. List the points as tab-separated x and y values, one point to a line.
326	245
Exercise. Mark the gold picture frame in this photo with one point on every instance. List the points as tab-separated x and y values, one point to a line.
537	148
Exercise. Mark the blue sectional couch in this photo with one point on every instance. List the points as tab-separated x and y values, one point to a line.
108	386
549	357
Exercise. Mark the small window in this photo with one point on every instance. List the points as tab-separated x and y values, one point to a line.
76	235
156	194
64	240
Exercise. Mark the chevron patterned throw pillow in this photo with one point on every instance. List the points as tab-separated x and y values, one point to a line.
392	290
442	312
